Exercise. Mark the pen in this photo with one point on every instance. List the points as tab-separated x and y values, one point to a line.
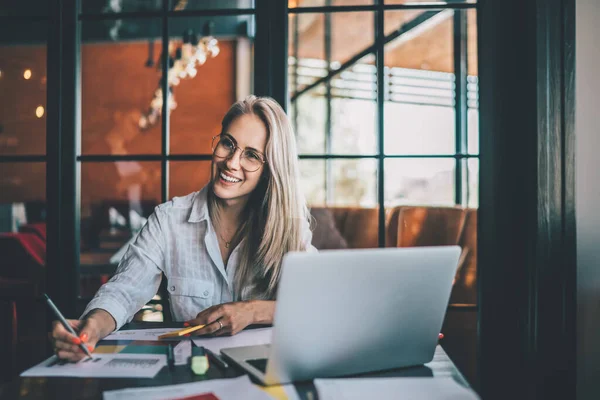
66	324
181	332
218	360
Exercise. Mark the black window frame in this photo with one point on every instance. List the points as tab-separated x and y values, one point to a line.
379	8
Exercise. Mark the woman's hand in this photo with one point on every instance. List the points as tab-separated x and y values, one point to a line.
231	318
96	326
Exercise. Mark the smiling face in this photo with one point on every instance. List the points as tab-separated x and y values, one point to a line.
231	182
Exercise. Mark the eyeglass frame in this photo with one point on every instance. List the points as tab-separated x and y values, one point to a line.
262	158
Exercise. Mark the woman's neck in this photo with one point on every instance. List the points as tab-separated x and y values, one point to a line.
231	214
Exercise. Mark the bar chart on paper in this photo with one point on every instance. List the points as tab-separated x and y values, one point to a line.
102	366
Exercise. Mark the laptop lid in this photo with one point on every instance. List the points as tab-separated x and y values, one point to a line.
343	312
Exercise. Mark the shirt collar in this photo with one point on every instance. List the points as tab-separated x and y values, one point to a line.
200	207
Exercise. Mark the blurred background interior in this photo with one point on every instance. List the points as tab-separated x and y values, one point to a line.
389	150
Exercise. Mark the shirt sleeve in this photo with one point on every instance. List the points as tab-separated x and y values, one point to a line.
307	239
137	277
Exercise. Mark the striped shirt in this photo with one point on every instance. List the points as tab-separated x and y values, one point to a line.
180	241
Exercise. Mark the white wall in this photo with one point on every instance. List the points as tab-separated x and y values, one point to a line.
587	132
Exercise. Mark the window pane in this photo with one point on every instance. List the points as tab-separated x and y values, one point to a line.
419	182
354	182
351	33
182	5
423	40
309	116
473	130
186	177
312	181
473	62
206	81
23	83
116	197
349	36
119	78
473	165
419	113
353	124
22	194
306	51
418	129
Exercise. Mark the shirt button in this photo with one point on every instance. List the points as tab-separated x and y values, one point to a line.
172	288
206	292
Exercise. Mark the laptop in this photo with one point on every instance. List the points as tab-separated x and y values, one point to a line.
347	312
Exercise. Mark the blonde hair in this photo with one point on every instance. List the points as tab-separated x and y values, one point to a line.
276	214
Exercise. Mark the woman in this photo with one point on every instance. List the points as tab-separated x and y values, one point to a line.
220	248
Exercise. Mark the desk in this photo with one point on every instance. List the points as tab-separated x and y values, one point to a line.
88	388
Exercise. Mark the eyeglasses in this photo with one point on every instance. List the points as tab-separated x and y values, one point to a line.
223	146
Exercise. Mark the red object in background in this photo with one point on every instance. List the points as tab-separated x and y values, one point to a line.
23	255
39	229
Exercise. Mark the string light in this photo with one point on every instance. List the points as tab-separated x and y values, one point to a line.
183	63
27	74
39	111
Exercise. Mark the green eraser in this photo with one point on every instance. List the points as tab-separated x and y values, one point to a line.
199	365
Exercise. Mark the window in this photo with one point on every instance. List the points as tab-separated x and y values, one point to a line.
428	102
23	83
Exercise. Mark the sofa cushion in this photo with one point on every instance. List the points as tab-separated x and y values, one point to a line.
325	232
360	227
430	226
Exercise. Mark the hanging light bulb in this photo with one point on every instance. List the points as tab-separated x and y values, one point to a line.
27	74
187	47
39	111
183	62
212	46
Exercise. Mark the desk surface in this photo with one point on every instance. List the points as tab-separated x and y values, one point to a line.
92	388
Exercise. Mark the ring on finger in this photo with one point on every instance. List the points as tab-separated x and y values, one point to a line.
220	324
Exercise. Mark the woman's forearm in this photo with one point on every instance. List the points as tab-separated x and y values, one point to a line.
264	311
105	321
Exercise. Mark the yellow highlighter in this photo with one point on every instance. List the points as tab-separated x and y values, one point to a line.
181	332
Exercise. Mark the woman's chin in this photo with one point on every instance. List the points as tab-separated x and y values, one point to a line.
225	192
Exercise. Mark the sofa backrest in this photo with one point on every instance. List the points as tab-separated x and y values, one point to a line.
344	227
430	226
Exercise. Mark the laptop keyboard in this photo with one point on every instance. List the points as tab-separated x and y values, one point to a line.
259	363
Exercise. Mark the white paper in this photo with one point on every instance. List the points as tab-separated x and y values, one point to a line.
250	337
224	389
393	388
182	352
102	366
141	334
